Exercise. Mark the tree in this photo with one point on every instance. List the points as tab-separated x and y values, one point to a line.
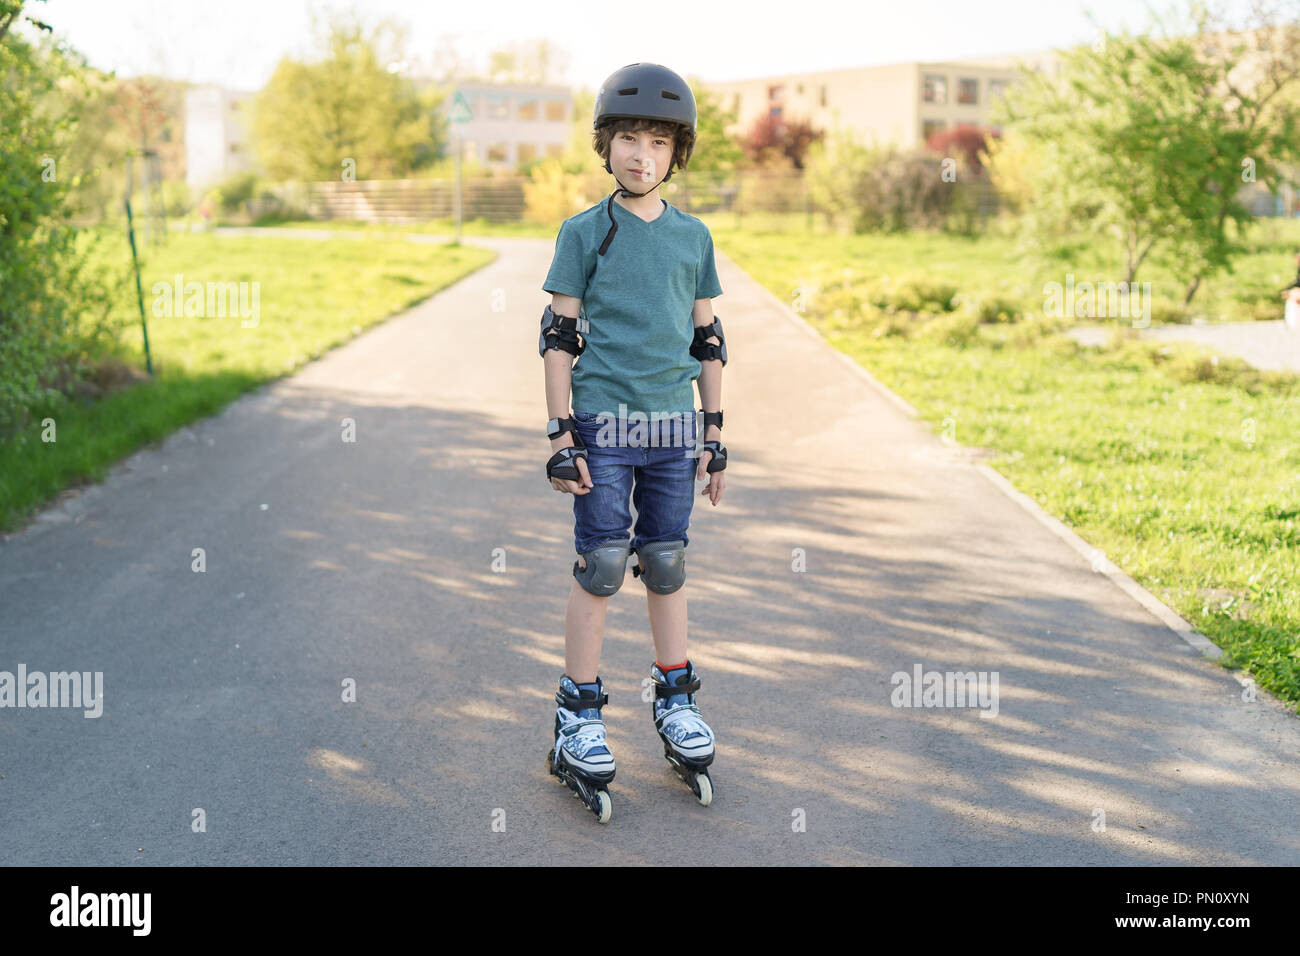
536	61
965	140
774	140
715	149
1248	127
349	105
1146	137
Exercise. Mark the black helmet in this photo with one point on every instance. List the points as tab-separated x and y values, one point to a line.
644	91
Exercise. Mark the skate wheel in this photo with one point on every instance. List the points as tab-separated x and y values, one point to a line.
550	766
704	789
604	806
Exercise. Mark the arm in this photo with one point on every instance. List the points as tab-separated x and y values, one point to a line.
710	380
710	385
559	370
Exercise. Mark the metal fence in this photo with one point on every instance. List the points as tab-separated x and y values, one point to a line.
501	199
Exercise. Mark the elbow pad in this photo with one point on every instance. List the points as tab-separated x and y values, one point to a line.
706	351
563	332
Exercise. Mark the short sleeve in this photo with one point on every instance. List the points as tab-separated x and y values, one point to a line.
706	275
568	273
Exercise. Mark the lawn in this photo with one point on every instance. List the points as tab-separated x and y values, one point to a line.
310	297
1181	467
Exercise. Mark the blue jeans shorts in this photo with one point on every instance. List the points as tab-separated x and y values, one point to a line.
660	481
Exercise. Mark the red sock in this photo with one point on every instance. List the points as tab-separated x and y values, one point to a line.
672	667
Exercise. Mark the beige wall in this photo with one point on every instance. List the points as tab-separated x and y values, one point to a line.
514	122
880	103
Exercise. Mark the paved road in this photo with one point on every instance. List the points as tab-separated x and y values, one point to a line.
429	562
1265	345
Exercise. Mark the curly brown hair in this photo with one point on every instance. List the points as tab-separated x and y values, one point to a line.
683	137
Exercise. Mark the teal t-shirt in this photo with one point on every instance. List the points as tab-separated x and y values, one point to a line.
638	298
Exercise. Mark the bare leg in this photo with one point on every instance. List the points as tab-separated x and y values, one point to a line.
584	632
668	624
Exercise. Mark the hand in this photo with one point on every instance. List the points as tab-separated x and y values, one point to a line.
580	487
717	480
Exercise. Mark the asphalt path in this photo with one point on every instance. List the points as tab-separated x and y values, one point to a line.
1268	344
427	563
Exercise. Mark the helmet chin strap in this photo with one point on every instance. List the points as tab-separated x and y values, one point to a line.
613	226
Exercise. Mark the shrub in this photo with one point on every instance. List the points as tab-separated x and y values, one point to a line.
551	195
51	303
236	190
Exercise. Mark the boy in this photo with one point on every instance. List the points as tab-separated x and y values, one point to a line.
634	276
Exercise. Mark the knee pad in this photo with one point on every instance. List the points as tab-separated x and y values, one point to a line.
606	567
662	565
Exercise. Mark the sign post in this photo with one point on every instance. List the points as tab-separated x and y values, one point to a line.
459	114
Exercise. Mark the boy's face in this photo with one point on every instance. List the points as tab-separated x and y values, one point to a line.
640	156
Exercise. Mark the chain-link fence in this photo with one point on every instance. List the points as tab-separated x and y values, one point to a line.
784	197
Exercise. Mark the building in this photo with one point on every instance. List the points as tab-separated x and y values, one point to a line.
902	103
216	135
513	123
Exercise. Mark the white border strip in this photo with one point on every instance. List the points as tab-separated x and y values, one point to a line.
1088	552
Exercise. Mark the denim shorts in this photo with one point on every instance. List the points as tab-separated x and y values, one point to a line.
660	481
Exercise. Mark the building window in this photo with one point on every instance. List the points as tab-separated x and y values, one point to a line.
557	110
823	98
496	153
234	149
967	90
525	152
555	150
996	88
498	107
935	88
527	110
931	126
775	112
774	93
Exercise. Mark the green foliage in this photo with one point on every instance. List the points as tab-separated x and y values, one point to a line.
178	200
552	195
54	310
236	190
313	118
883	188
715	150
1148	140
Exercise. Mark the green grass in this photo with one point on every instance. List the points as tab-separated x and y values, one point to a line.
313	296
1183	468
993	265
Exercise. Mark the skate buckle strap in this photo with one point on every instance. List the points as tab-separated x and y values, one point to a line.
575	704
570	729
668	690
671	711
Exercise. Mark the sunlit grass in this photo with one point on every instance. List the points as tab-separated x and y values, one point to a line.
1181	467
312	296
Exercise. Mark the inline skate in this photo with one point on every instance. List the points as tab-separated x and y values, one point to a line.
580	756
688	740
